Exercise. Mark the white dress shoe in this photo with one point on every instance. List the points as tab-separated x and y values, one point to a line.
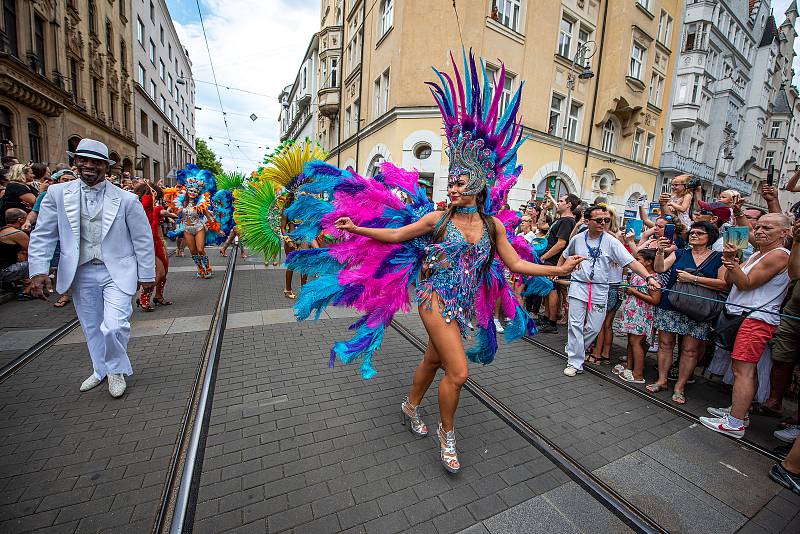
90	383
116	385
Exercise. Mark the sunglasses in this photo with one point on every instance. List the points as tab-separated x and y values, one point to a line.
602	220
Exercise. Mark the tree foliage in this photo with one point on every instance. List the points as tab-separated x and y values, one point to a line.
206	158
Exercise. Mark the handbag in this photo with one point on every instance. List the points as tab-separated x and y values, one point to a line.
727	326
696	302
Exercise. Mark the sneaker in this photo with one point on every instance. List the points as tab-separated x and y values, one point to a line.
618	369
116	385
721	425
548	328
498	325
722	412
788	480
90	383
788	434
571	371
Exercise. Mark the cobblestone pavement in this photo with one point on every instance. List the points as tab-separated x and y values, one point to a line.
296	447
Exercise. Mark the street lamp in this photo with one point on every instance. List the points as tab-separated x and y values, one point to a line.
726	151
583	53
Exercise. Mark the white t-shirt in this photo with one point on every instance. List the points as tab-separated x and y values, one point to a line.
609	261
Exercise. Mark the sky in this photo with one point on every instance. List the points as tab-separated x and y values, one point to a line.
779	8
256	45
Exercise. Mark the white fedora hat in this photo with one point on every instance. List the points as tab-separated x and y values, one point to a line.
89	148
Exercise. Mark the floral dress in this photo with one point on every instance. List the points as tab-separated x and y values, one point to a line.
636	316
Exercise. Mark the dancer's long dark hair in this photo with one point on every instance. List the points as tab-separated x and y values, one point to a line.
488	222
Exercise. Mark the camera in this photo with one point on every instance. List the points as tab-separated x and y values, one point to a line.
693	183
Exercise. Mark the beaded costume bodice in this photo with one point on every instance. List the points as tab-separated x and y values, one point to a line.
452	269
191	216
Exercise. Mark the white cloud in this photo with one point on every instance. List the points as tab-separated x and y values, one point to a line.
255	45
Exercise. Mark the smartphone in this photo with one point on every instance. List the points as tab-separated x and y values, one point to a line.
770	175
634	225
669	232
738	235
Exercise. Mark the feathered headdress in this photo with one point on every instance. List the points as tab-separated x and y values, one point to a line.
285	169
481	144
201	180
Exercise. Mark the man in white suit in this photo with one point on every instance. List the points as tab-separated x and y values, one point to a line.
106	252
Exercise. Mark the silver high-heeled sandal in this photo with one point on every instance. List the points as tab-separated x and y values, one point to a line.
409	412
447	450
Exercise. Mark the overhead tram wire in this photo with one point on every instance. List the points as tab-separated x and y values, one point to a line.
213	72
458	25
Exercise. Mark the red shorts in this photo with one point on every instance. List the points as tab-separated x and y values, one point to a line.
752	339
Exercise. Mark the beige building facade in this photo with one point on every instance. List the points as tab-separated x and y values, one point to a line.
65	74
613	122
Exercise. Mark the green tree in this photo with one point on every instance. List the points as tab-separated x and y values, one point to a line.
206	158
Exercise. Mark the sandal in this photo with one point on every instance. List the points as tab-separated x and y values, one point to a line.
161	301
655	387
678	398
598	360
24	296
618	369
627	376
289	294
62	301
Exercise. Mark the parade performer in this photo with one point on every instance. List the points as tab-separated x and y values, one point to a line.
106	251
456	258
149	195
285	172
196	221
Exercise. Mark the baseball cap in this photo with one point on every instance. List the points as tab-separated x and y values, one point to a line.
718	209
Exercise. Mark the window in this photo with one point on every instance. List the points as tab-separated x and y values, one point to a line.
92	16
695	37
386	16
126	109
35	140
348	119
38	44
565	37
143	122
152	54
637	144
6	130
170	84
656	89
169	51
73	78
644	3
112	107
163	103
121	9
648	149
334	72
508	12
140	75
162	70
775	129
507	90
10	26
152	12
609	135
161	33
123	55
583	38
422	151
555	114
769	160
665	28
574	120
381	95
638	53
109	38
155	132
140	31
696	88
153	90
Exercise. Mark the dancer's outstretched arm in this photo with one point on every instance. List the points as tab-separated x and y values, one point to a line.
423	226
520	266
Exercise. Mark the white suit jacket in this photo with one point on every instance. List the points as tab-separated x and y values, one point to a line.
127	240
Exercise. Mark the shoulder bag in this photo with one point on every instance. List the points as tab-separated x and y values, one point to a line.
693	300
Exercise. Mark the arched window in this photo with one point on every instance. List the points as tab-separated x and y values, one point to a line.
35	140
609	136
6	130
374	166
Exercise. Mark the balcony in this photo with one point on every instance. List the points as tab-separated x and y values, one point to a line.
672	161
732	182
685	115
328	100
728	85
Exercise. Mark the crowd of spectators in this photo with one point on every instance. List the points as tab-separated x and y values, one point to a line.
708	302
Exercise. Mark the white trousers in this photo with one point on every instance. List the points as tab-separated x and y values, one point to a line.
104	311
584	325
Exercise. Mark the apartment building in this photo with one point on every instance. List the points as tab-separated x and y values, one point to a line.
373	106
734	62
164	99
66	73
299	110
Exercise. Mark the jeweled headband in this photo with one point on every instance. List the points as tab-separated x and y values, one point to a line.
480	144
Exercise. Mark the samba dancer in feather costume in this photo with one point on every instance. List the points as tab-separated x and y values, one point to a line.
456	259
